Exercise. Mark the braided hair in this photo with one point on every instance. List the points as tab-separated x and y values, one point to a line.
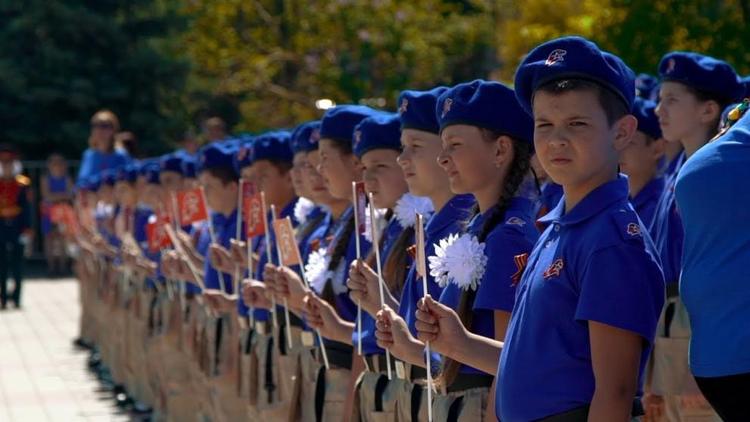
517	172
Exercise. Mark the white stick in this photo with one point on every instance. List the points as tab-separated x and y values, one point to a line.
268	258
376	246
355	203
320	337
251	310
286	303
422	266
238	232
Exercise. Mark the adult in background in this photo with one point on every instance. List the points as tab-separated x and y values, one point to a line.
101	153
57	188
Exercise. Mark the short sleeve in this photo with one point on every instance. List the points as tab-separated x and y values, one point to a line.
497	291
622	286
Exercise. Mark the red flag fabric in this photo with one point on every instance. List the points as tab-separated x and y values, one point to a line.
252	207
65	217
191	206
286	241
360	205
156	233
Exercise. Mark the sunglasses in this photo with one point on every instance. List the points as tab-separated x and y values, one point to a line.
101	125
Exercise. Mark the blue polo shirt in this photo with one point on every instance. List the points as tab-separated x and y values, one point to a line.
667	230
646	200
593	263
497	290
447	221
714	201
369	343
225	228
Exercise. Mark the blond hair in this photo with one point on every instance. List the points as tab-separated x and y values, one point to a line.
106	116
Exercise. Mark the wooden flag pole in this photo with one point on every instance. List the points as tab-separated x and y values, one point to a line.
422	272
286	303
268	258
376	246
355	204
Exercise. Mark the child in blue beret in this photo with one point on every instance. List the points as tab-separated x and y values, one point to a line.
587	304
640	161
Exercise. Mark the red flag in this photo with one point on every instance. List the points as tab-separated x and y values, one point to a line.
252	207
360	205
65	217
286	241
156	233
191	206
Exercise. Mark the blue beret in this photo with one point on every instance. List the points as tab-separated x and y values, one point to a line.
485	104
701	72
151	173
577	58
128	173
338	122
144	164
746	83
189	163
417	109
382	131
109	176
645	85
306	137
645	112
216	155
171	162
272	146
242	157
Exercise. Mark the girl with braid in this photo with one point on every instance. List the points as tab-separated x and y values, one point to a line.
486	152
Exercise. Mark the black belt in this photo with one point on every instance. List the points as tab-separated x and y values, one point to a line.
377	363
465	382
673	289
581	414
339	354
417	373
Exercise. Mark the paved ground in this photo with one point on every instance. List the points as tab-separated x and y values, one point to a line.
42	377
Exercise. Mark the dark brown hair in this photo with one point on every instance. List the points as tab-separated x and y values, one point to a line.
518	170
614	106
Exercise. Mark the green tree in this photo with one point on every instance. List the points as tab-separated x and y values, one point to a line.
61	60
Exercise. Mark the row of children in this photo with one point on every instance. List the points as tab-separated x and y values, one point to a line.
391	266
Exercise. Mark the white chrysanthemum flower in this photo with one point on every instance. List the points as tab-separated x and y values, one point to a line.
408	206
379	217
339	279
460	260
302	209
316	269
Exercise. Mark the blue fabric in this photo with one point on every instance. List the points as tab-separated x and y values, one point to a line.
666	229
417	109
713	199
382	131
306	137
272	146
572	57
225	228
93	162
701	72
497	289
485	104
646	85
442	224
369	343
171	162
188	166
109	176
128	173
338	122
595	262
215	155
746	84
645	112
646	200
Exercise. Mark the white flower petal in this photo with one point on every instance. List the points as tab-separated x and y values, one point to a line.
408	206
302	209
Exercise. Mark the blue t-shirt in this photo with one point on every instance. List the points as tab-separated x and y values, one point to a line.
369	343
646	200
225	228
593	263
667	231
442	224
714	202
94	162
497	289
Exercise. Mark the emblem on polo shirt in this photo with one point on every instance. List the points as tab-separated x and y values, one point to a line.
556	56
446	107
554	269
634	229
515	221
315	136
404	106
670	66
357	137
